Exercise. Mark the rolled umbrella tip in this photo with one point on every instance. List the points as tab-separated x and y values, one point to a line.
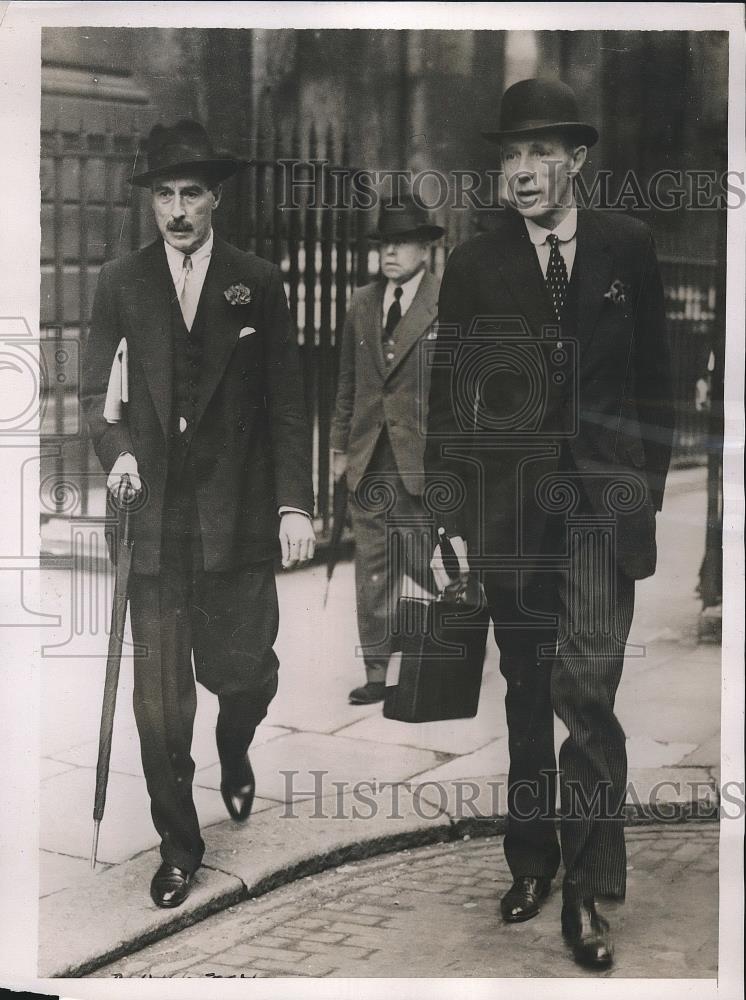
94	845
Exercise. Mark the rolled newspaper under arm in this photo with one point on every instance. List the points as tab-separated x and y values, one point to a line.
117	391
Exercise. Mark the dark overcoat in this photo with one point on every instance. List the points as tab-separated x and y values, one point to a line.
519	406
249	449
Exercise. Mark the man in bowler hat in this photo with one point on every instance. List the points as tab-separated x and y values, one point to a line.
215	439
560	362
377	435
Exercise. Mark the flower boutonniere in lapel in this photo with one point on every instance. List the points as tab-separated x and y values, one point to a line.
617	293
238	295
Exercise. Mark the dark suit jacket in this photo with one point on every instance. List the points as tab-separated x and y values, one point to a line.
250	450
371	396
612	407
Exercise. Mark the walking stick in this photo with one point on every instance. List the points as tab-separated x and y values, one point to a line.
114	658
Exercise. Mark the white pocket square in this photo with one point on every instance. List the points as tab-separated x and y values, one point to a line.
246	332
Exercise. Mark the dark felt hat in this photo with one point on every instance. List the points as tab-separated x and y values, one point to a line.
404	219
531	106
183	147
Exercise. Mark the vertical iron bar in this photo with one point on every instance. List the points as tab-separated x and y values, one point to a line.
59	307
83	276
294	236
325	333
309	284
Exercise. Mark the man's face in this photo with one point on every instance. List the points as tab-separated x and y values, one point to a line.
402	259
183	208
539	171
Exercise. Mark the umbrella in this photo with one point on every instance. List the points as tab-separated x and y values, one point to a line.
114	658
339	511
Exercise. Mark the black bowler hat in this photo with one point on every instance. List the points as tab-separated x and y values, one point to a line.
404	219
182	147
540	106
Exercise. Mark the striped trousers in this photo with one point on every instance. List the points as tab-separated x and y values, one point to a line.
570	666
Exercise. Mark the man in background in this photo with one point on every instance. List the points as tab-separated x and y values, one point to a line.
377	435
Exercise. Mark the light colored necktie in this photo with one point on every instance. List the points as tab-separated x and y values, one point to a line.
187	298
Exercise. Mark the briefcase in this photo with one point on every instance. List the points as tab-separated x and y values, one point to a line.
442	644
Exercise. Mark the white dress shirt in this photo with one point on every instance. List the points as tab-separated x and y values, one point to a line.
566	233
200	263
408	292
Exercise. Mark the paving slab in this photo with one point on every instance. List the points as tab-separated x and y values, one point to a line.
125	749
58	871
75	930
643	751
337	758
660	702
490	759
299	838
127	827
456	736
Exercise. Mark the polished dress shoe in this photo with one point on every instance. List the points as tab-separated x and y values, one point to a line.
237	787
170	886
523	899
372	692
588	933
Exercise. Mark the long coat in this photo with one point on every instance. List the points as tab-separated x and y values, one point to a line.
250	449
371	395
510	426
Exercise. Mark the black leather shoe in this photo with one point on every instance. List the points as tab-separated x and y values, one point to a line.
170	886
238	788
372	692
588	933
523	899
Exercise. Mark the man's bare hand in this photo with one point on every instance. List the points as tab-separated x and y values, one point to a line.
442	579
339	464
126	464
297	539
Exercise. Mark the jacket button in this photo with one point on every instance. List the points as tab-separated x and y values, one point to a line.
241	425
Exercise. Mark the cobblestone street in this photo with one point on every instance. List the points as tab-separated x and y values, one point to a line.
432	911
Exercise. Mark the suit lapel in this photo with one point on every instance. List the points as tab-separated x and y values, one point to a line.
417	319
594	263
521	272
220	332
148	301
373	325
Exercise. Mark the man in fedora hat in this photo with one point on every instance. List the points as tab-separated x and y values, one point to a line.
555	412
214	436
377	432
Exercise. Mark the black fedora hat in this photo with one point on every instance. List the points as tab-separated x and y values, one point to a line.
182	147
402	219
531	106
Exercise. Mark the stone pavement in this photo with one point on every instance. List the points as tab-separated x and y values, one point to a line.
668	703
433	912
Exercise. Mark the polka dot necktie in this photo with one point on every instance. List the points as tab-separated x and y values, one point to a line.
556	276
394	314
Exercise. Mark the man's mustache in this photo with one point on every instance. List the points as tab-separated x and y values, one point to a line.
178	227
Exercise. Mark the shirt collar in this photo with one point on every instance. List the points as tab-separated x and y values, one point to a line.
565	230
176	257
409	287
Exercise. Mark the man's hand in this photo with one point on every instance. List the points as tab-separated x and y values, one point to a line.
442	579
297	539
339	464
126	464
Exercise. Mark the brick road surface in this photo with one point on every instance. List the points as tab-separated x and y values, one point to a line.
432	911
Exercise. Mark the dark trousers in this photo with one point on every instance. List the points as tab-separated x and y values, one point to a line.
592	604
228	623
391	538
